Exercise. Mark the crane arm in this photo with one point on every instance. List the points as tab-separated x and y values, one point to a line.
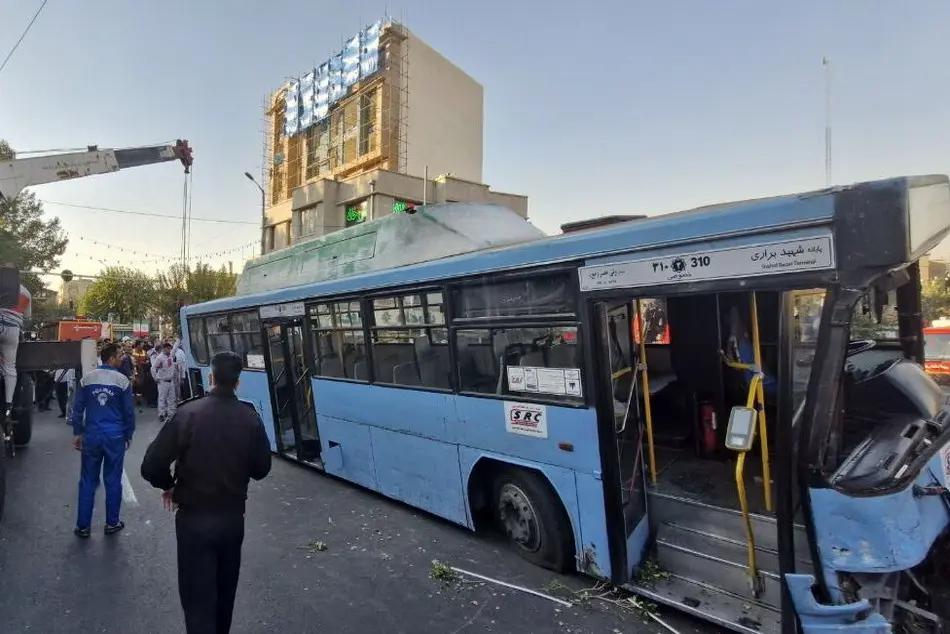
16	174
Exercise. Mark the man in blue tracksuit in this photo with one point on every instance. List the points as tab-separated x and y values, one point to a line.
103	421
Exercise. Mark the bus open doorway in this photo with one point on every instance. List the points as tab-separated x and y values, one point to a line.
705	513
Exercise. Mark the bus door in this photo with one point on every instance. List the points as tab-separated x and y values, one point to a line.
618	361
288	372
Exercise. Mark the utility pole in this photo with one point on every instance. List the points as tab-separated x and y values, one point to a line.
826	63
263	205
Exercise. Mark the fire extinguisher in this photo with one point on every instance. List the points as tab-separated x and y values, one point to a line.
707	422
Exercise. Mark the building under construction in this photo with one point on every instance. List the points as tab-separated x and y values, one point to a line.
355	138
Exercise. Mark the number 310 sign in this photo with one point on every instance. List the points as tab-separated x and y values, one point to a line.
526	419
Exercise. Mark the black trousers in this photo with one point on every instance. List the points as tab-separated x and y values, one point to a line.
62	393
209	562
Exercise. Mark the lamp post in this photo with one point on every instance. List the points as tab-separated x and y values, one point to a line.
263	203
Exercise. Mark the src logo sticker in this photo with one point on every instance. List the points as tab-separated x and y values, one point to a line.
526	419
679	265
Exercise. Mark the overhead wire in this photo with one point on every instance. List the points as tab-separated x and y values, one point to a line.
23	35
146	213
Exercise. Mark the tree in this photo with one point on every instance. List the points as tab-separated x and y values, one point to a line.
935	299
26	238
181	285
124	293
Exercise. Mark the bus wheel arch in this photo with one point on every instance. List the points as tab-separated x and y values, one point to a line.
522	503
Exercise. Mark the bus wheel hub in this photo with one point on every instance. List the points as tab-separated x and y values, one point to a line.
518	517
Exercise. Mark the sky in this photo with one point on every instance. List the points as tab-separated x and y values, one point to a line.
591	108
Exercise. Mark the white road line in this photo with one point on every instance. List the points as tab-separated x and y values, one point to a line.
128	495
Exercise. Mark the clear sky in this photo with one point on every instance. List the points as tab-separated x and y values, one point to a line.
591	108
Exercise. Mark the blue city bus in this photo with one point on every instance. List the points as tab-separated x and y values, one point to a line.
721	409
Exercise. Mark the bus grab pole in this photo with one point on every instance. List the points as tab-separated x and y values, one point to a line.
752	567
760	393
645	382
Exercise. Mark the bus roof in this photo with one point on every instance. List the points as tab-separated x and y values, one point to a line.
916	210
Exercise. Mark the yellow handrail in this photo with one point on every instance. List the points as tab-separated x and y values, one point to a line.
752	568
645	383
760	393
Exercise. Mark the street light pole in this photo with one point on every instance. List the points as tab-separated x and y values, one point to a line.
263	205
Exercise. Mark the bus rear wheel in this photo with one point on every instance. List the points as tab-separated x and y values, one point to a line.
530	514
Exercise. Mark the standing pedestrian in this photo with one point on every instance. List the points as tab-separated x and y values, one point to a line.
126	365
63	377
182	388
163	369
217	444
11	323
103	423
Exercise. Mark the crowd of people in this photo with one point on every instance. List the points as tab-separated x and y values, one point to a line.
155	367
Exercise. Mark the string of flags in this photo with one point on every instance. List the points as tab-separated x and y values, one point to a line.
152	257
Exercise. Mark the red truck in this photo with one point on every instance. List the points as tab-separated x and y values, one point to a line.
937	353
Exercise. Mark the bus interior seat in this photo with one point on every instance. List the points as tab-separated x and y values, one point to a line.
360	370
406	374
432	363
331	366
660	367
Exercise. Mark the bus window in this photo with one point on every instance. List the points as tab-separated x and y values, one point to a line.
865	323
219	334
521	361
339	348
656	325
407	349
199	344
547	295
246	336
806	311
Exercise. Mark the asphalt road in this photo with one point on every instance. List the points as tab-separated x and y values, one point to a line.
374	576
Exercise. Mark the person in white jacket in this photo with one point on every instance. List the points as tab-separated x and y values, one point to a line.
11	323
165	373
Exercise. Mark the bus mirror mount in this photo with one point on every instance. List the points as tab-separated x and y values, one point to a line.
740	432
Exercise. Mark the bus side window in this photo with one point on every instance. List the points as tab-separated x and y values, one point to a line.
410	341
246	335
339	348
199	344
219	334
537	362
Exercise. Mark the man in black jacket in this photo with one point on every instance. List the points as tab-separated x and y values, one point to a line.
217	444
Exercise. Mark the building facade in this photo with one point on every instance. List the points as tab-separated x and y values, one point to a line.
72	292
354	138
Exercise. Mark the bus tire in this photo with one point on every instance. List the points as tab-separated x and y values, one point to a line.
529	513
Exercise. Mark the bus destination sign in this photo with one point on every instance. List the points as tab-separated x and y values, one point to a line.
784	256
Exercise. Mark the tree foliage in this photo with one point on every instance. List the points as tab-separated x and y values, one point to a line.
182	285
935	299
27	239
124	293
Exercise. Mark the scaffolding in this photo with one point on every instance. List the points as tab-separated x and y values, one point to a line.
365	130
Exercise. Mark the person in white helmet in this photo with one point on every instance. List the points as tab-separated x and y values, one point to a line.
11	323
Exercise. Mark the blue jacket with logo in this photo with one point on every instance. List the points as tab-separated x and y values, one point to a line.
105	398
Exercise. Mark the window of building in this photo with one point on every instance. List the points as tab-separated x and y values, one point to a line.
199	344
369	101
547	295
308	219
410	341
294	163
356	213
313	150
339	347
281	235
219	334
538	362
246	338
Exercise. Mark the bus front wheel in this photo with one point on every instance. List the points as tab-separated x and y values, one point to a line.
530	514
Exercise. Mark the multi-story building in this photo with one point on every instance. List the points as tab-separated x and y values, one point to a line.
385	123
72	292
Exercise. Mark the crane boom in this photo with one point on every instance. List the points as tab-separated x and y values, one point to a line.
16	174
